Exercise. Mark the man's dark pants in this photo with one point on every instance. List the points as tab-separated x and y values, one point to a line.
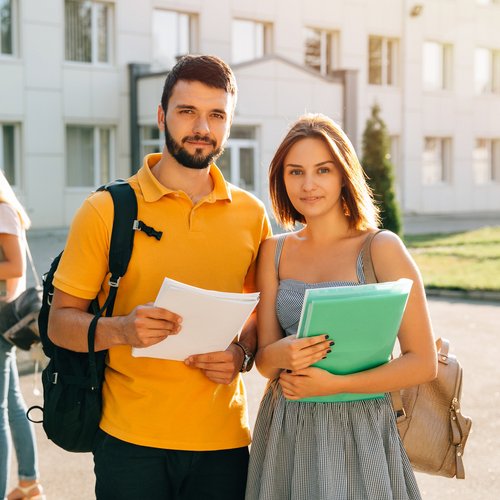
126	471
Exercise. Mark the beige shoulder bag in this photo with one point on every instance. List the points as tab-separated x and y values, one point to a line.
429	418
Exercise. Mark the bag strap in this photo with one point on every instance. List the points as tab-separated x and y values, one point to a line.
371	277
120	251
122	236
32	264
366	253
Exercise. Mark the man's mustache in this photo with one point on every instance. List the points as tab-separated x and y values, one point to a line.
199	138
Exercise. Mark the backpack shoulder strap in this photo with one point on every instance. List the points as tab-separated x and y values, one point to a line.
122	236
120	251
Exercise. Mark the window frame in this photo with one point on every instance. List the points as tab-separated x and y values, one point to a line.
144	143
267	41
327	64
14	32
96	150
193	23
493	83
446	161
389	64
94	35
233	146
17	182
446	70
493	148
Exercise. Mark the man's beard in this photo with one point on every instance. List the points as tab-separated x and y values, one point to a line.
198	160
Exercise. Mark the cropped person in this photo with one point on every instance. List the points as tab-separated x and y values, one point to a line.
13	422
329	450
169	429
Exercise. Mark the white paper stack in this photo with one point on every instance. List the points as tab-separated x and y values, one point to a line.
211	320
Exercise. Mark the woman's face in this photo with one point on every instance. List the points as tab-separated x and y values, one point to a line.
312	180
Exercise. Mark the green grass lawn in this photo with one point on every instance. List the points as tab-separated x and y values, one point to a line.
458	261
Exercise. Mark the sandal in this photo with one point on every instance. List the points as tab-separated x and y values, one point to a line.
31	492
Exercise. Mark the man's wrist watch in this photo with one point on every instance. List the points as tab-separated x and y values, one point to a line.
248	358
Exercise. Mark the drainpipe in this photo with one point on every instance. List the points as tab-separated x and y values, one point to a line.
135	71
349	79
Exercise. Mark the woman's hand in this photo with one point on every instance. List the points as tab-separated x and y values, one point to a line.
295	354
309	382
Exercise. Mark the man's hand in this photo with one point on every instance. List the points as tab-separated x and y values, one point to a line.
220	367
147	325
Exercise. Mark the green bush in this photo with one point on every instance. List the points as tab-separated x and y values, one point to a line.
380	171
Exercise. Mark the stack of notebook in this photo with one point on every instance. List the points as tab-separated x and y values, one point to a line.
211	320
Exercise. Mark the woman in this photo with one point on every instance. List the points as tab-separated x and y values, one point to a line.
320	451
13	223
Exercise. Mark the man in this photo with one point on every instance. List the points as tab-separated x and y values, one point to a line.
169	429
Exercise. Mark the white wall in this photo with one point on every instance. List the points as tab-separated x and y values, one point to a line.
44	93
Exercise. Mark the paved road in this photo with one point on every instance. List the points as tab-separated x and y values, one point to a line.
473	330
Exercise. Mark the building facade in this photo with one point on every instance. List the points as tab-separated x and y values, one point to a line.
81	80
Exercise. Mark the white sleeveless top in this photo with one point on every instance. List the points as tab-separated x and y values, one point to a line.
11	224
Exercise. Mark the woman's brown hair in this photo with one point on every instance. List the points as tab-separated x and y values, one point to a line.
357	196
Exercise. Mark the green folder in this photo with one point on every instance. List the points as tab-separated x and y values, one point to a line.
362	320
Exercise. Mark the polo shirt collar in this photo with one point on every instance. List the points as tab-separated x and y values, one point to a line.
153	190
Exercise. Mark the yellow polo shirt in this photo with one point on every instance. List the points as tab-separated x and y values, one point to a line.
212	244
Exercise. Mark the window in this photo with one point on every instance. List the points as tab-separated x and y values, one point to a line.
321	50
436	66
152	141
250	40
90	156
240	158
382	61
174	35
10	152
8	16
436	161
486	161
88	29
487	71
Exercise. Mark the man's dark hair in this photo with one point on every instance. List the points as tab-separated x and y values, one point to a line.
209	70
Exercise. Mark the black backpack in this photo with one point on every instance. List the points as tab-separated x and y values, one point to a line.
72	381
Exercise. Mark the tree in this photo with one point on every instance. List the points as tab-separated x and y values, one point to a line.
380	171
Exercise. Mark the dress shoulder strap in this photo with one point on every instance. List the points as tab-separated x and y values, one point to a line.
277	254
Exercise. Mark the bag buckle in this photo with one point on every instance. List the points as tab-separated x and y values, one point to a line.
55	377
400	415
114	283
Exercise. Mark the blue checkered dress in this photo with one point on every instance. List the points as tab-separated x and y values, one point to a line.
325	451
